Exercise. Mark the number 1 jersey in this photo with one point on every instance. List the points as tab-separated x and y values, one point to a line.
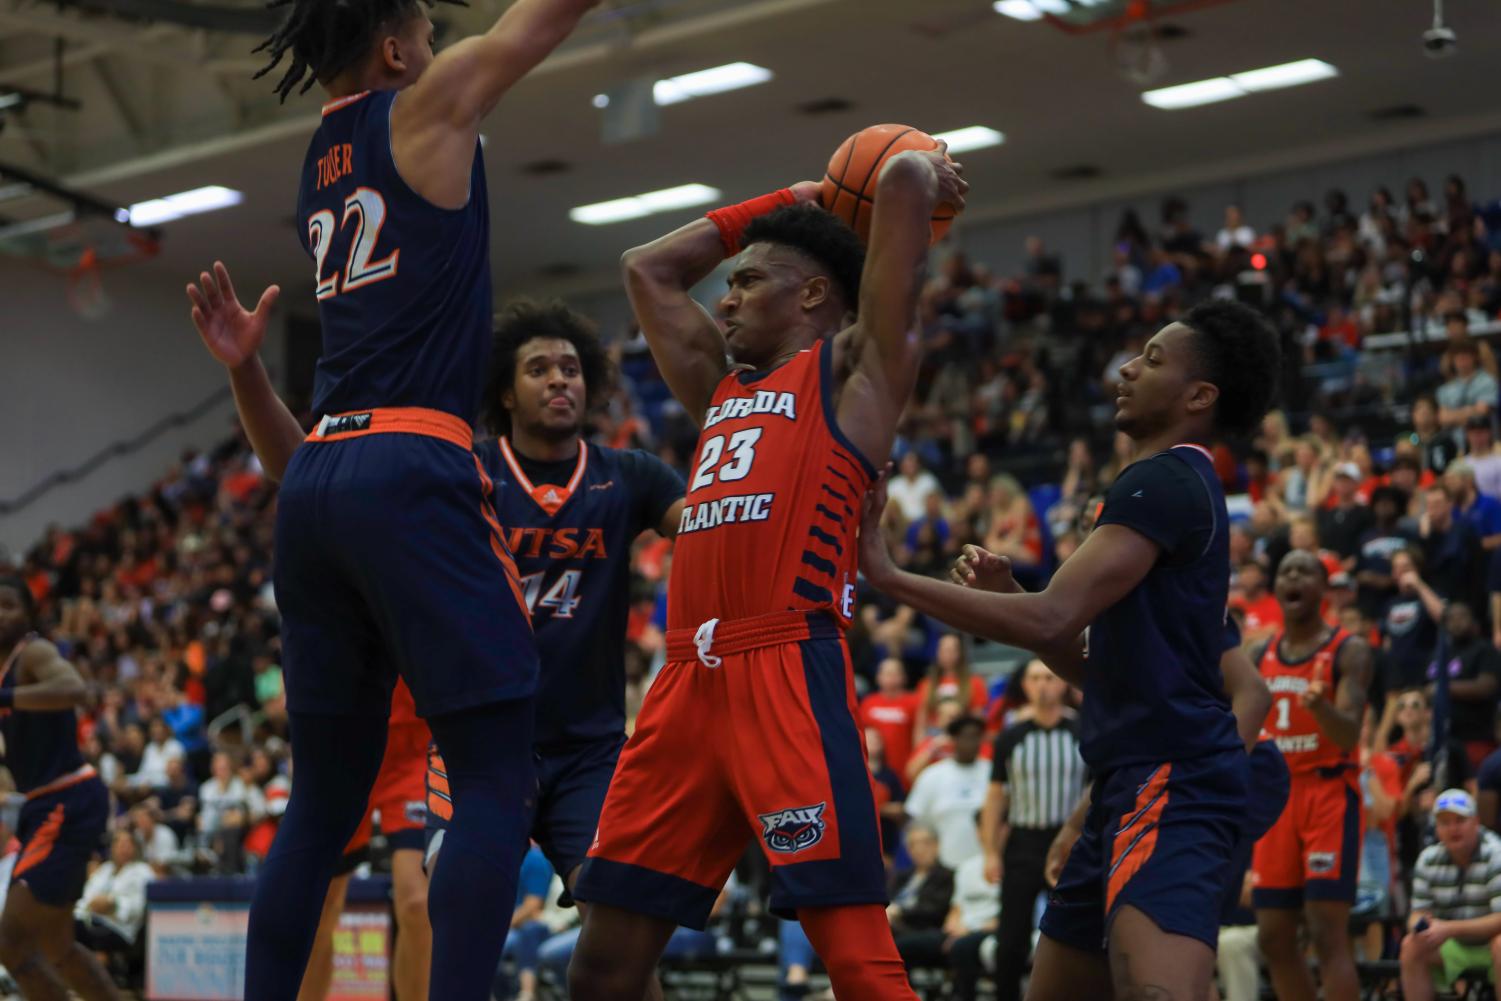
403	286
773	505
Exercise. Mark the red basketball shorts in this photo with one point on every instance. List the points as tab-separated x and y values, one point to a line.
1312	852
748	733
400	791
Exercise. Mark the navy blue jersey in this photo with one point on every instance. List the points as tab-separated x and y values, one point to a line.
403	286
570	526
39	746
1153	690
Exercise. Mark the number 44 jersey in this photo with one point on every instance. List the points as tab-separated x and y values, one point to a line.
403	285
773	505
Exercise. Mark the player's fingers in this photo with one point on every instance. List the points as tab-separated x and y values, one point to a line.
942	149
210	290
196	298
268	300
226	287
200	322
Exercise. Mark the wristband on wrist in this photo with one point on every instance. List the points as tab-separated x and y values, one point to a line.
732	219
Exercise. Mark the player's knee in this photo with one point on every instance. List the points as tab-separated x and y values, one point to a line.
596	978
20	951
1278	939
410	906
1411	951
1330	934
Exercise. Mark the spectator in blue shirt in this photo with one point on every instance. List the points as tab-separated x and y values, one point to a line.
928	545
1470	505
528	931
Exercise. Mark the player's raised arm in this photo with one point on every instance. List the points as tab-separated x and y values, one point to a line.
1340	718
46	681
880	353
684	338
233	335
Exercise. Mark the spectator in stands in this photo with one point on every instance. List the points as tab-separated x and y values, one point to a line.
911	486
1453	559
937	745
1235	232
949	677
890	791
227	808
1037	775
177	800
1483	456
1381	801
1482	513
891	710
159	845
1474	670
1472	390
1435	442
154	756
1454	926
929	541
1015	531
1375	585
109	915
947	796
921	896
1344	518
528	931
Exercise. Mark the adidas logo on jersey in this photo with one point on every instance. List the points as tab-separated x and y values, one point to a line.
789	831
765	401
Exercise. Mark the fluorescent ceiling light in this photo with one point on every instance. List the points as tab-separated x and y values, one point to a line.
185	203
733	76
621	209
1022	10
974	137
1052	6
1225	88
1287	75
1191	95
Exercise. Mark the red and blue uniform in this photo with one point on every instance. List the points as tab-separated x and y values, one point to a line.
749	731
1168	807
399	795
1313	851
66	807
389	558
571	525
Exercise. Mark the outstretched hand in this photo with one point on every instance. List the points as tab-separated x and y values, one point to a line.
232	334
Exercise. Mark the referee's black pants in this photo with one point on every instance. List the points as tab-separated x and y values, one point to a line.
1021	881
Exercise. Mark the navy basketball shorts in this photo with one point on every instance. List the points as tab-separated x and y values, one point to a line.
1266	797
389	559
60	829
572	782
1159	838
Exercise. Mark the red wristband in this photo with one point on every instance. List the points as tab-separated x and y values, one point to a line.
732	219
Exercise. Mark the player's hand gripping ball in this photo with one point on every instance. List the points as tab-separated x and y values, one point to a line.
849	184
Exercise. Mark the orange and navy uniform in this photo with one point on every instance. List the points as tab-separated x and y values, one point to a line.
399	791
749	731
1313	851
66	807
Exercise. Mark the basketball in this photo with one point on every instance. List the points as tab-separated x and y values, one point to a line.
849	184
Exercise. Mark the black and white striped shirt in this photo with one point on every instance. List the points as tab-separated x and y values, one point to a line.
1450	894
1043	772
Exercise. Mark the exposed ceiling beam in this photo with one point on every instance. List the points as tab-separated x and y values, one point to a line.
116	94
98	38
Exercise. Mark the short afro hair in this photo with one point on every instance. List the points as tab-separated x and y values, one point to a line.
1239	353
820	236
523	320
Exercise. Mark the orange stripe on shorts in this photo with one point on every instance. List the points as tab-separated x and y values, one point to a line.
1136	838
40	846
513	576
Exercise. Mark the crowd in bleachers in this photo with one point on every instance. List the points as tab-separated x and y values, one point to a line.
1381	462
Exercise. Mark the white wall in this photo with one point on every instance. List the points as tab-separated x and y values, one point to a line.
73	386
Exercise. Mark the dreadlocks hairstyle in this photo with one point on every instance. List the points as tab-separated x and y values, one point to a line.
1238	352
326	37
524	320
821	236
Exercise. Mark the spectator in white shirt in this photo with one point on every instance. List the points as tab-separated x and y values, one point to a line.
1235	232
227	806
911	486
1482	455
161	748
949	794
159	845
975	917
109	915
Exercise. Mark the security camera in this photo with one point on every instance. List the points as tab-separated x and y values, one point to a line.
1440	42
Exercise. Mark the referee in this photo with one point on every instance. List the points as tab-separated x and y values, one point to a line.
1036	779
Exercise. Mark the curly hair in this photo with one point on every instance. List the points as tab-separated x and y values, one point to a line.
326	37
1239	353
523	320
820	236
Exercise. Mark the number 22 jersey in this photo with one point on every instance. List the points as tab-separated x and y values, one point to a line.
773	503
403	286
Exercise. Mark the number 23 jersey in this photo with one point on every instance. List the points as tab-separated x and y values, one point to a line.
773	504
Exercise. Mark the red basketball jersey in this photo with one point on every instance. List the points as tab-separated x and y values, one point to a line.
1296	730
773	502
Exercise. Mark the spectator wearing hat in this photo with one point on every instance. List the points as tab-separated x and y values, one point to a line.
1470	505
1455	923
949	794
1472	390
1346	519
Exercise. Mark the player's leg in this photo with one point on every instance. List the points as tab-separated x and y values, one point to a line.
1070	962
411	966
1278	900
83	972
1277	934
1419	965
1332	857
670	833
27	927
799	771
319	975
1065	973
1149	963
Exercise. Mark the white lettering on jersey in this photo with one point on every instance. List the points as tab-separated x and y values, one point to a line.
1287	683
765	401
1298	743
725	511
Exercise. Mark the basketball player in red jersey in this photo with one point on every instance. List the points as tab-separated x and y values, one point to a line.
750	729
1306	865
62	819
399	796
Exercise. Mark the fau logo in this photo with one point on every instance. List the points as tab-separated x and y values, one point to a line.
789	831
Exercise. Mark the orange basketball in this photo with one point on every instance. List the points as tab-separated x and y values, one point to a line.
849	185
